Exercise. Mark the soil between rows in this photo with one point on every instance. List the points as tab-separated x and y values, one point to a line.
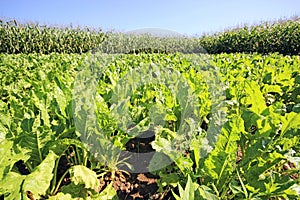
137	186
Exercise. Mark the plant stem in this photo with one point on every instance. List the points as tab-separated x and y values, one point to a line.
60	180
55	176
85	158
29	166
78	155
242	183
215	189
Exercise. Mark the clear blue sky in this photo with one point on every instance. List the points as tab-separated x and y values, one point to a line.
186	16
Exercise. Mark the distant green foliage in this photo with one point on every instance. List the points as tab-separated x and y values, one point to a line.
147	43
282	37
34	38
269	37
147	50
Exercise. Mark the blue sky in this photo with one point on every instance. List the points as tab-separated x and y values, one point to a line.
186	16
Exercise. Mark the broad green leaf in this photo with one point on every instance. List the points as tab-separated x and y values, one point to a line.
185	164
260	174
220	163
38	181
189	189
7	162
284	78
77	191
108	193
41	102
236	188
254	97
80	191
162	145
61	100
278	185
159	160
10	186
250	119
272	88
5	122
289	121
83	175
168	179
35	140
186	193
196	147
62	196
37	89
206	193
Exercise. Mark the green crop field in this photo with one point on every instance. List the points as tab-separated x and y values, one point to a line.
222	126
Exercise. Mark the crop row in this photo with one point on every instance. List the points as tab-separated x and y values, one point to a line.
282	37
33	38
231	130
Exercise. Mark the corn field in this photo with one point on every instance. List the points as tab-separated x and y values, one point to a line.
33	38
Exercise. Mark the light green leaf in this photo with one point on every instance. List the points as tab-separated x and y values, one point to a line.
39	180
254	97
83	175
76	191
61	100
62	196
206	193
189	189
188	192
41	102
35	141
195	146
185	164
10	185
219	165
290	120
168	179
108	193
5	122
159	160
10	158
272	88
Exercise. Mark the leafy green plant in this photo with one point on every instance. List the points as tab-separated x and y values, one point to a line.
255	156
193	190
